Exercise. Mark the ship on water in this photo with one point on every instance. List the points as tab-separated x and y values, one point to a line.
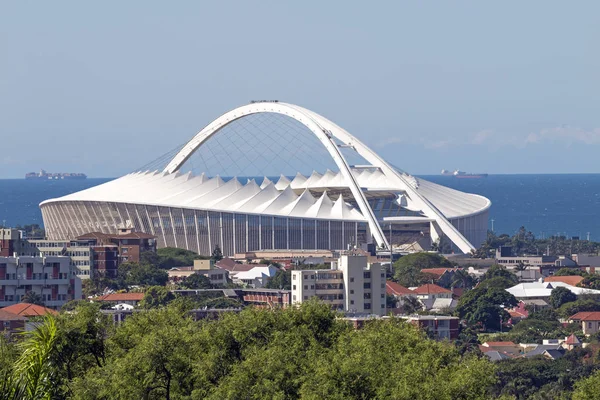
462	174
50	176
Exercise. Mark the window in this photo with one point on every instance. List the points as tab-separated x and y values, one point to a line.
305	297
367	306
367	274
312	277
294	277
351	291
351	279
305	287
305	276
367	295
382	295
382	305
383	275
294	288
383	285
351	301
367	285
312	287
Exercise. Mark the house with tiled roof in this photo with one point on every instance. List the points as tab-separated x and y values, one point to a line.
441	276
571	342
432	291
507	347
122	298
10	322
572	280
28	310
395	289
590	321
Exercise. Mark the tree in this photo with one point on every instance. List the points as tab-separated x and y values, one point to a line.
407	270
462	279
411	305
281	280
486	306
581	304
142	274
156	296
496	271
196	281
569	272
217	255
587	389
32	297
561	295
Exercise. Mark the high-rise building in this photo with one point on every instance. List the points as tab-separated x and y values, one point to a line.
353	285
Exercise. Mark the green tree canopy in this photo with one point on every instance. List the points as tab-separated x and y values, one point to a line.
496	271
561	295
32	297
281	280
569	272
196	281
407	270
156	296
486	306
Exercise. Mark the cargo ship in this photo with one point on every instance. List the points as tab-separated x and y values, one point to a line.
51	176
462	174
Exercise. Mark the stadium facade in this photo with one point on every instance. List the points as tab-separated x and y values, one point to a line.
353	206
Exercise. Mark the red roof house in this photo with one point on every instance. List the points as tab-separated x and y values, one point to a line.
395	289
29	310
590	321
431	290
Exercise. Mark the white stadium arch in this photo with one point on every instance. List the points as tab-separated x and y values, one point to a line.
446	212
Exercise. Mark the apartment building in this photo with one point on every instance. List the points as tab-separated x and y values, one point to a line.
352	285
51	277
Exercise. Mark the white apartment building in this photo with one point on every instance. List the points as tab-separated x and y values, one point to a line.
351	285
81	254
50	277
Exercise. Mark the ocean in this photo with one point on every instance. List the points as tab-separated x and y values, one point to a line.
547	205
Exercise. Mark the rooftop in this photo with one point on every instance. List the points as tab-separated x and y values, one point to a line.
438	272
572	280
8	316
430	288
586	316
396	289
117	297
29	310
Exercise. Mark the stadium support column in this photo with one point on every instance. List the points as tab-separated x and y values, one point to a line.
435	231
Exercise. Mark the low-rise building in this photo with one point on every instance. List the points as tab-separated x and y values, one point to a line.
440	326
29	310
217	276
257	277
352	285
133	299
590	321
543	290
11	323
431	291
50	277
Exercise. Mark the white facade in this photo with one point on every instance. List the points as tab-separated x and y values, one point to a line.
326	210
50	277
257	277
352	285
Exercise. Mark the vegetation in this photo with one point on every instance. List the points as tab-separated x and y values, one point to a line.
407	270
255	354
32	297
281	280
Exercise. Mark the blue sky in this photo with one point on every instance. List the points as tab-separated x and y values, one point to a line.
104	87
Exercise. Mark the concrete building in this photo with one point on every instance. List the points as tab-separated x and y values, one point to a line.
130	244
440	326
50	277
352	285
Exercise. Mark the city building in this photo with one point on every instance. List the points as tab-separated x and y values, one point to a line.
353	205
440	326
352	285
130	244
50	277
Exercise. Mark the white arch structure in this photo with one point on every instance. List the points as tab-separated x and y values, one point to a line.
325	131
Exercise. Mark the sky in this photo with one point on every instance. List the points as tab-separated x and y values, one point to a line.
498	87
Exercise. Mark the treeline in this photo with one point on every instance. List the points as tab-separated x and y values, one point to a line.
525	242
293	353
289	353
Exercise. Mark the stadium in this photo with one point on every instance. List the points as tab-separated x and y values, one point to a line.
331	192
